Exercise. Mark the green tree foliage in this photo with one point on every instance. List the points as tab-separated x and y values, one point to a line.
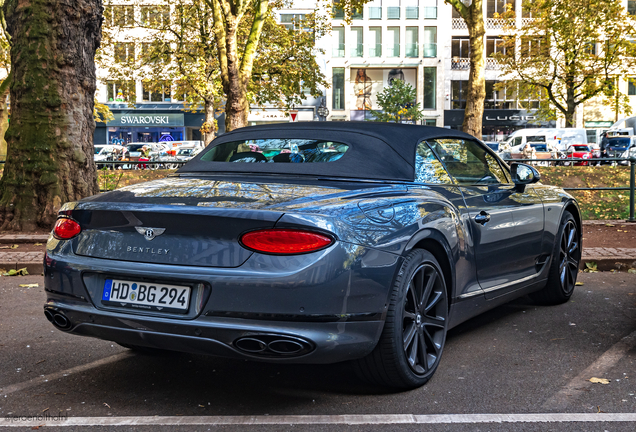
472	11
571	51
221	54
398	104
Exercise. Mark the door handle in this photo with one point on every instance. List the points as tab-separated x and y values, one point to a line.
482	218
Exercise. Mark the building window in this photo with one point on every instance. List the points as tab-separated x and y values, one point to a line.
393	48
430	88
155	16
411	9
293	21
631	86
459	91
429	48
393	12
498	7
120	91
460	53
530	46
338	12
375	9
498	97
338	86
357	43
338	43
124	52
119	16
631	7
375	49
156	92
412	44
430	122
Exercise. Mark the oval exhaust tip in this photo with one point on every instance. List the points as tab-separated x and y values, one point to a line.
251	345
285	347
49	315
61	321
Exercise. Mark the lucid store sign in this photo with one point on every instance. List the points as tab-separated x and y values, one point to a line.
521	118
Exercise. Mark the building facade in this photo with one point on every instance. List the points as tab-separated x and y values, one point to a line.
422	42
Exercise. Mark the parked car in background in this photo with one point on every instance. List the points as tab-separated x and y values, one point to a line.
334	241
579	153
617	146
494	145
110	153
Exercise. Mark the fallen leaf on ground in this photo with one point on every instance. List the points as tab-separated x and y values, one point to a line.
633	271
14	246
609	225
106	405
599	380
37	244
591	267
45	409
579	283
5	247
28	285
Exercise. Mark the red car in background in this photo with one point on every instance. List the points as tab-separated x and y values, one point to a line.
577	151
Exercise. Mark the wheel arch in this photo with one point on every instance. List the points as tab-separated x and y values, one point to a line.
574	209
434	242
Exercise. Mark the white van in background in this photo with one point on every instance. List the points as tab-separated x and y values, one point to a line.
559	138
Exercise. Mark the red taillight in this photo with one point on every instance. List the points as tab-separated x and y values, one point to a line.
285	241
65	229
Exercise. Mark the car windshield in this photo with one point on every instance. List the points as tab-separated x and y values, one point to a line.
620	143
135	147
276	151
581	148
184	152
536	138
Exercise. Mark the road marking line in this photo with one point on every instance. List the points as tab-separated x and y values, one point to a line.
57	375
580	383
371	419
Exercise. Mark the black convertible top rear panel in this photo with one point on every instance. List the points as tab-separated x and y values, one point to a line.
377	151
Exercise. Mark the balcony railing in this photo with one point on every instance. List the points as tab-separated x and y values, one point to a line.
492	64
498	23
375	50
411	50
460	63
459	24
429	12
393	50
429	50
338	50
412	12
357	50
526	21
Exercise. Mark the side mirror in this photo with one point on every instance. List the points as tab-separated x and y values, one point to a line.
523	175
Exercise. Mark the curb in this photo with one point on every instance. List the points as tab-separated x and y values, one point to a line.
32	267
23	238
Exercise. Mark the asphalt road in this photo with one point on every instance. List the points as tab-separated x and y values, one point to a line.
504	366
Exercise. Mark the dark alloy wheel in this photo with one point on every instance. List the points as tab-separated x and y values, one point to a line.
414	333
564	267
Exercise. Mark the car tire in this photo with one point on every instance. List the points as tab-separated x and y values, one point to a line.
564	265
410	346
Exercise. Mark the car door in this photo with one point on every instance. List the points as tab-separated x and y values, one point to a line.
506	223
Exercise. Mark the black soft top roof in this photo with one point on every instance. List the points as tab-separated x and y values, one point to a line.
377	151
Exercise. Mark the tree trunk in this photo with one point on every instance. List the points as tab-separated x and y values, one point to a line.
4	124
474	112
209	125
236	106
50	137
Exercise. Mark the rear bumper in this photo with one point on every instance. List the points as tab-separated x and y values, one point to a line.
321	342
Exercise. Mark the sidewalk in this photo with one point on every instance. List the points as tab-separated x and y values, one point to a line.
605	258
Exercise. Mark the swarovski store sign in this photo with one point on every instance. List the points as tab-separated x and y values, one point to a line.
152	120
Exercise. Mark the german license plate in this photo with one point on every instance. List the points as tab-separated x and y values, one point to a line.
146	296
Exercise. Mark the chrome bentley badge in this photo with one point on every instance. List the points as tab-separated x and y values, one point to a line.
150	233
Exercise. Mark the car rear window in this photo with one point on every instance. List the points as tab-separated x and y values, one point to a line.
275	150
619	142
